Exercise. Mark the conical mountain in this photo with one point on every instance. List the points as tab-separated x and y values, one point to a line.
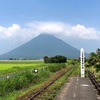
40	46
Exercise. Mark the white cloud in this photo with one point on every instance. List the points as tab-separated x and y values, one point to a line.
16	32
10	31
86	33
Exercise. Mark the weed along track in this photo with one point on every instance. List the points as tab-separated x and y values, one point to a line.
47	91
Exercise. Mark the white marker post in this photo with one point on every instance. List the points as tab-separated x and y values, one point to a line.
82	62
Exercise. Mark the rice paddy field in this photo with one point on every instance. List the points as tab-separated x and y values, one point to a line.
20	63
15	66
11	67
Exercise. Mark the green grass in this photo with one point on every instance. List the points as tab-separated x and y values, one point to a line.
93	70
12	95
44	77
11	67
10	64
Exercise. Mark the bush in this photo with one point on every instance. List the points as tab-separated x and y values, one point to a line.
97	66
46	59
55	59
56	67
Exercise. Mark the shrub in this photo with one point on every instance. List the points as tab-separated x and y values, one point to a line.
97	66
46	59
56	67
55	59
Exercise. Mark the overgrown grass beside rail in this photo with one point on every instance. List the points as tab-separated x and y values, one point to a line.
25	79
94	81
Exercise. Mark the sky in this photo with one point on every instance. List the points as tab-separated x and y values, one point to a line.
77	22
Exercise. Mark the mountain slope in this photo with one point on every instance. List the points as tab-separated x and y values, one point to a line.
40	46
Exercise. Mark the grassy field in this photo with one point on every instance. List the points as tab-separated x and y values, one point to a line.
13	67
13	87
10	64
16	66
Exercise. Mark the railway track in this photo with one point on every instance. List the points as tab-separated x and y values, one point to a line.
35	95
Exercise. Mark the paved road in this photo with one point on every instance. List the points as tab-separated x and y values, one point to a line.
77	89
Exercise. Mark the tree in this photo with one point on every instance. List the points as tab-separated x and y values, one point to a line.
61	59
98	51
11	58
55	59
46	59
94	58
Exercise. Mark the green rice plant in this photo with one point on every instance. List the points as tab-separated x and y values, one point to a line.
20	68
11	64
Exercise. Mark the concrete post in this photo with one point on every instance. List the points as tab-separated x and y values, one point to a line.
82	63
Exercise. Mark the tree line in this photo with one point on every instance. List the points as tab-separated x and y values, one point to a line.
55	59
